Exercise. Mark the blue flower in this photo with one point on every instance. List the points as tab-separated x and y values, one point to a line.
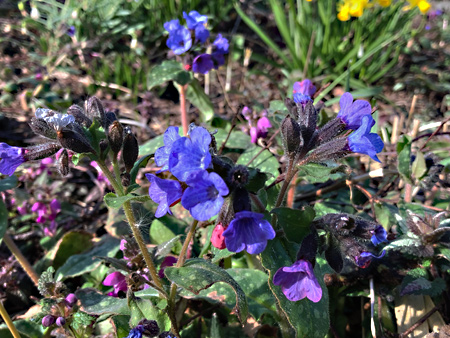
172	25
194	18
163	192
352	113
136	332
180	40
162	154
298	281
204	196
191	154
10	158
218	58
364	259
364	142
71	31
303	91
379	235
221	44
201	33
248	230
202	64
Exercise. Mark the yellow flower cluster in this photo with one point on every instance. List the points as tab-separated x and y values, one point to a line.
355	8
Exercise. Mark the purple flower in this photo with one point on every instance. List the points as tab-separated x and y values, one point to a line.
194	18
364	142
202	64
364	258
163	192
168	261
201	33
41	209
71	31
221	44
118	281
247	112
261	130
191	154
352	113
162	154
298	281
10	158
379	235
248	230
48	320
60	321
55	208
136	332
218	58
204	196
303	91
179	40
71	300
172	25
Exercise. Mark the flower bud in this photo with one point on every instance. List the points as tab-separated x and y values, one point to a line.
239	176
80	116
48	320
63	163
241	200
74	141
60	321
95	110
71	300
126	179
217	239
332	150
291	135
330	130
130	151
40	151
103	146
151	328
115	136
40	127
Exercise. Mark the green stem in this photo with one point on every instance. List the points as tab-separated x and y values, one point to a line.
8	321
173	288
21	259
290	173
117	187
116	166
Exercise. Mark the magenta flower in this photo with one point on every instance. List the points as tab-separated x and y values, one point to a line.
168	261
298	281
217	238
118	281
261	130
41	209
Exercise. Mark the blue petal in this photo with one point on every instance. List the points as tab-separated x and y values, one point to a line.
201	33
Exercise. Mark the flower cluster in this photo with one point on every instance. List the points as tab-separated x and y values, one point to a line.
47	213
259	123
181	40
303	91
62	312
145	328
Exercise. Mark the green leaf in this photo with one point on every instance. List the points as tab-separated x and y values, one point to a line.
141	163
8	183
95	303
237	139
72	243
80	264
26	328
318	173
144	308
151	146
115	202
404	162
220	254
160	233
121	325
256	180
196	95
3	219
81	320
295	222
265	161
198	274
307	318
167	71
419	166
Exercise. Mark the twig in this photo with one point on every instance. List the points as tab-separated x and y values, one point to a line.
419	322
435	132
429	134
269	143
233	125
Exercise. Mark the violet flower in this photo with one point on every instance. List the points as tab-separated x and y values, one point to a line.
180	40
364	258
163	192
248	230
118	281
202	63
71	31
364	142
303	91
168	261
162	154
10	158
379	235
352	113
197	22
298	281
204	196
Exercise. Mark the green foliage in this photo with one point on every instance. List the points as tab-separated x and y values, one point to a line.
199	274
26	328
404	159
264	161
167	71
319	173
46	281
81	320
195	94
116	202
295	223
7	183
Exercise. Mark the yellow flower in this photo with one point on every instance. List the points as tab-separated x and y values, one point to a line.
384	3
353	8
344	14
424	6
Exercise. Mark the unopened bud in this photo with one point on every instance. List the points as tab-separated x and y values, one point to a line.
41	151
48	320
217	239
330	130
74	141
80	117
103	146
71	300
239	176
291	135
241	200
126	179
63	163
115	136
151	328
40	127
130	151
60	321
95	110
332	150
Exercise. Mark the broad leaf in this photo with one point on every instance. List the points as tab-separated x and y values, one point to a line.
167	71
295	222
95	303
319	173
264	161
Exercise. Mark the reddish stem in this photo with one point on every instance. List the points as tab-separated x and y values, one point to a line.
184	119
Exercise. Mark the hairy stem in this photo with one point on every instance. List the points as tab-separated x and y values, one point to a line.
173	288
290	173
184	119
8	321
21	259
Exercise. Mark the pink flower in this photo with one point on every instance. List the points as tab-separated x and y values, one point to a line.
217	239
168	261
118	281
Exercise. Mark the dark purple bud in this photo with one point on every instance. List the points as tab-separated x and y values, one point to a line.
48	320
41	151
40	127
126	179
115	136
332	150
80	117
307	120
150	327
74	141
239	176
95	110
63	163
71	300
241	200
330	130
103	146
291	135
60	321
130	151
